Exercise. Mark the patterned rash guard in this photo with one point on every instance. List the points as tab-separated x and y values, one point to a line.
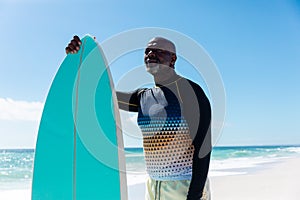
174	118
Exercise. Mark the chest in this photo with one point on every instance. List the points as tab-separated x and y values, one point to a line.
159	103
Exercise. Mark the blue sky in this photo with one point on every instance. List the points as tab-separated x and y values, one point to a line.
255	45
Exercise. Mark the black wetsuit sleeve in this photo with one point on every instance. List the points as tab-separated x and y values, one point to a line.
197	112
128	101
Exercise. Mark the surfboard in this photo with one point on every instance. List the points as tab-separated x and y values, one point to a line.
79	149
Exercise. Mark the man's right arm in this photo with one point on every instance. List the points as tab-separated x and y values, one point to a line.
128	101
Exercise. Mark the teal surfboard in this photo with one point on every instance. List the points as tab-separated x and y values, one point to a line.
79	150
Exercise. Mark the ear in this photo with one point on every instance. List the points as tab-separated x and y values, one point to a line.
173	59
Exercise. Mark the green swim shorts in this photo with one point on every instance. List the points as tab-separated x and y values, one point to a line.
172	190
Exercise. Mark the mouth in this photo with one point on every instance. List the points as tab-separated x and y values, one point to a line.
150	61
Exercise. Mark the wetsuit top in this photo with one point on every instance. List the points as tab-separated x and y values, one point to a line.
174	118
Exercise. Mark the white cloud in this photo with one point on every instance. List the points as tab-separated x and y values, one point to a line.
20	110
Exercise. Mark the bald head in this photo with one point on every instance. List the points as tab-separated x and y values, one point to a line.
162	43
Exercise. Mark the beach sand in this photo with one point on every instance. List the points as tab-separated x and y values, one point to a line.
278	181
20	194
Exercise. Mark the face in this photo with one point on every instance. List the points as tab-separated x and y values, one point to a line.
158	58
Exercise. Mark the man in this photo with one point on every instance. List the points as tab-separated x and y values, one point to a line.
174	118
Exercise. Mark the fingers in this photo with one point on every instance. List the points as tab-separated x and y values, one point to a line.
74	45
77	39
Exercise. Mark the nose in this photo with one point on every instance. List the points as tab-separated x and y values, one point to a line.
151	54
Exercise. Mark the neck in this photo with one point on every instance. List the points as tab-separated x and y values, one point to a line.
163	77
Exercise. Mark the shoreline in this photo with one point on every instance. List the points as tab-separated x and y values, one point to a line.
274	180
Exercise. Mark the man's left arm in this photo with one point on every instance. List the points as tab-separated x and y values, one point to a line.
197	111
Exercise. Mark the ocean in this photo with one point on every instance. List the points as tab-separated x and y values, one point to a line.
16	165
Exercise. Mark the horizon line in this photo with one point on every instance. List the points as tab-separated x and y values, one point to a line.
227	146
